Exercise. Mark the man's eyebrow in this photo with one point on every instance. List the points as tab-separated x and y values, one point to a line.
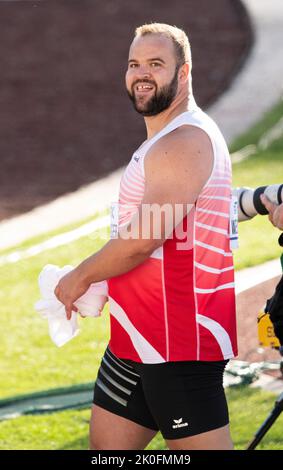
154	59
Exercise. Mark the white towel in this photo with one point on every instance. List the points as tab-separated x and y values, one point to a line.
91	303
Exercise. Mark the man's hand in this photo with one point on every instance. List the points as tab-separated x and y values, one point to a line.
275	212
69	289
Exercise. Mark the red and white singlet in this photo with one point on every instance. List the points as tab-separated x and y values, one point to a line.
179	304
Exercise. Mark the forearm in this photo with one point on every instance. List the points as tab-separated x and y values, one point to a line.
133	246
117	257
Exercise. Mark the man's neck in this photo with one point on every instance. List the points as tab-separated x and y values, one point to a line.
154	124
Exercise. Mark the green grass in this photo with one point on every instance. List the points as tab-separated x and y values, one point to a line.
25	349
68	430
253	135
258	238
258	243
46	236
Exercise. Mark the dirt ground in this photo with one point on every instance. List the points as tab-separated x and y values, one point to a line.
249	303
65	119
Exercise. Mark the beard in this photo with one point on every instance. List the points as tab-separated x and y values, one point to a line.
161	99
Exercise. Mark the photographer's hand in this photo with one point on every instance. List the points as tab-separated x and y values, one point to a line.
275	212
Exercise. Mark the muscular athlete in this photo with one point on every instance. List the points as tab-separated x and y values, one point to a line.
172	301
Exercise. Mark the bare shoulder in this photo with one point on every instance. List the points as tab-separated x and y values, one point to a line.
177	166
186	149
189	135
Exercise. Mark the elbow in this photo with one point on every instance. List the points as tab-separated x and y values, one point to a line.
149	246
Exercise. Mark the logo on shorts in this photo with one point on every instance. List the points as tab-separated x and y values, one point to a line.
179	423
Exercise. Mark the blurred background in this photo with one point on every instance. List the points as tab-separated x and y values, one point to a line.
65	118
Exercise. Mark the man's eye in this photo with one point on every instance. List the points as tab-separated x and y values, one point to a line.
133	66
155	64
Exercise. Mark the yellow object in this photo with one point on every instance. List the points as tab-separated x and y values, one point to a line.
265	331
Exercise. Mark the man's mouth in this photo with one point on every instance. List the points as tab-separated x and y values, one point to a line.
143	88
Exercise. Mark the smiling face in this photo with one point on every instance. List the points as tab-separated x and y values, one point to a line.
152	75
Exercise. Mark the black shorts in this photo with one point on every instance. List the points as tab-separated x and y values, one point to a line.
180	399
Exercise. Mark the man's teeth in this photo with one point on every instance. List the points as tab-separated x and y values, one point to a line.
144	87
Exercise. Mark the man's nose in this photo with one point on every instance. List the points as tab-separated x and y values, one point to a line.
144	71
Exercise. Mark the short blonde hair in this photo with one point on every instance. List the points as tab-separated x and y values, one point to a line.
178	36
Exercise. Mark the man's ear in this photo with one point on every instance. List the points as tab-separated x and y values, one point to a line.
184	72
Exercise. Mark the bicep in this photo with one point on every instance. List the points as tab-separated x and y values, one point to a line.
175	172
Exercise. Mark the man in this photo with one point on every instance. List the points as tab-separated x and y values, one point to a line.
172	301
275	212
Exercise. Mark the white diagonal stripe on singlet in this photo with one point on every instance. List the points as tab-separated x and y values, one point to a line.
230	285
124	204
222	172
131	185
220	185
219	333
212	229
209	269
131	177
128	199
158	253
218	198
135	174
220	178
145	350
132	192
213	248
206	211
222	175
